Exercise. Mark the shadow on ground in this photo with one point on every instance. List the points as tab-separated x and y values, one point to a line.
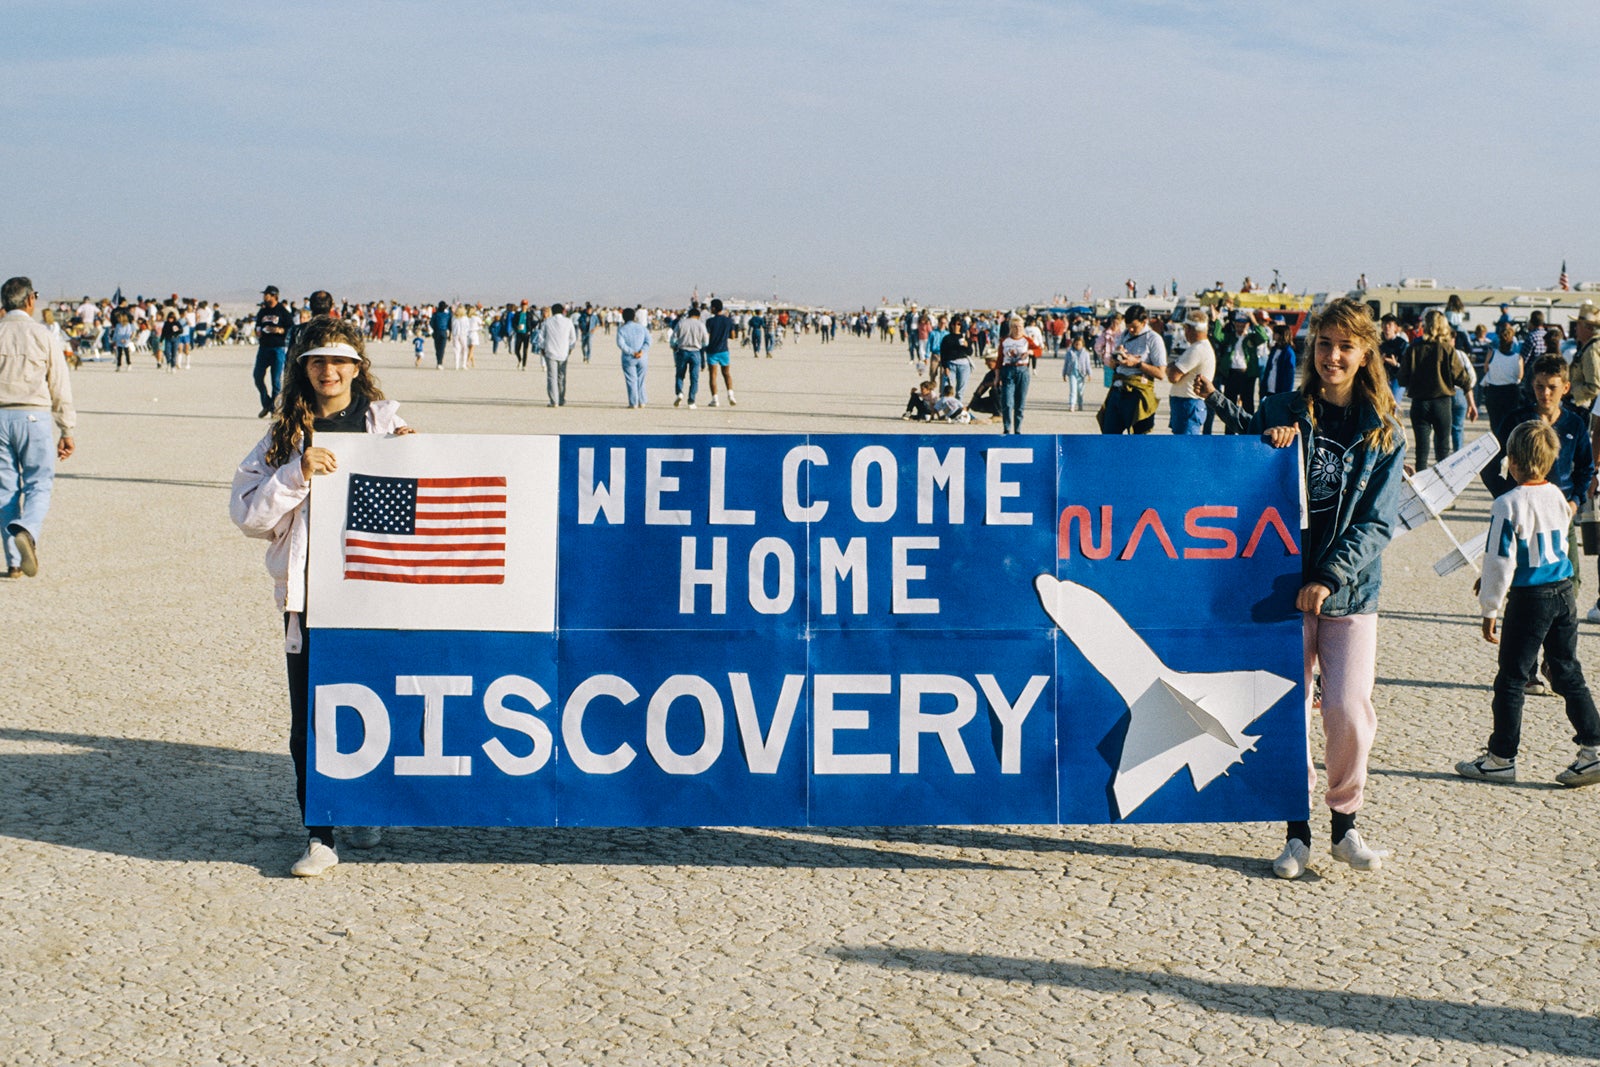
1541	1032
162	800
981	838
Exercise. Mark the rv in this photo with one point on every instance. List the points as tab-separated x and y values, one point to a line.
1413	297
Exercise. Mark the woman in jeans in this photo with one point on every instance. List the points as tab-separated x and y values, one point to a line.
955	357
1431	374
1014	362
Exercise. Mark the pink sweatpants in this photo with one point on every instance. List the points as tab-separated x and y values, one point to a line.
1346	647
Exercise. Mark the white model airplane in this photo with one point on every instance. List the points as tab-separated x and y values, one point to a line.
1177	719
1428	493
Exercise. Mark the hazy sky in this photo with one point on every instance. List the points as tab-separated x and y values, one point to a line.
832	152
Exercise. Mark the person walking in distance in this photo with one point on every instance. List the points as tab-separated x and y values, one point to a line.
273	323
689	339
719	328
557	336
633	341
439	324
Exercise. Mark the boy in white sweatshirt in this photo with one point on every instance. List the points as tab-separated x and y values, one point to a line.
1526	568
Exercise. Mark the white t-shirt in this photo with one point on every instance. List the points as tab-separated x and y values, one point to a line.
1197	360
1503	367
88	312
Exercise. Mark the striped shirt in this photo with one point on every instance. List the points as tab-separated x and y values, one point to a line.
1527	543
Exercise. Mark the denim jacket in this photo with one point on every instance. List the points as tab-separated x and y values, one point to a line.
1350	562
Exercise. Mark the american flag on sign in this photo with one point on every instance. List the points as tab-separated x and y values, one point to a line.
430	531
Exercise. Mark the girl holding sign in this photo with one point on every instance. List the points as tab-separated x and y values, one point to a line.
1354	452
328	387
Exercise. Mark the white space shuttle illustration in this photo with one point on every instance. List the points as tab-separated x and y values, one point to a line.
1177	719
1428	493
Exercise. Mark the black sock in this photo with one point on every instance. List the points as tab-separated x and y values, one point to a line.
322	833
1300	831
1342	824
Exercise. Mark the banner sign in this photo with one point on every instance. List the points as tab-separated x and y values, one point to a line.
777	630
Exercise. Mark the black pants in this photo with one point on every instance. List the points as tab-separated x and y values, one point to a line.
1431	419
520	348
438	347
1239	386
299	664
1540	616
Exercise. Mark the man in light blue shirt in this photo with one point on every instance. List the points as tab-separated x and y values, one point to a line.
634	341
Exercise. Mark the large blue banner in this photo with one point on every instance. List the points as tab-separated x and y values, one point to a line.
823	630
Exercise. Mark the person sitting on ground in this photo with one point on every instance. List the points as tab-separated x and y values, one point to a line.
1527	571
921	404
985	399
949	409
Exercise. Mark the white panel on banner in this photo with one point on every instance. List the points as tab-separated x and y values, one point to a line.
428	532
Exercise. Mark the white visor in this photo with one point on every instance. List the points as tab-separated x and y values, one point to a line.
338	348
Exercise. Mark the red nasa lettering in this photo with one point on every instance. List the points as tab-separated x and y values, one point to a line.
1215	539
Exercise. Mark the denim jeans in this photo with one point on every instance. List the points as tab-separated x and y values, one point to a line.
1074	392
959	373
1458	420
1186	414
686	361
269	362
1535	617
633	371
27	473
1013	397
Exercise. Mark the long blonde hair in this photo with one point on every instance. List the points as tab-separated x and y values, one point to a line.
1371	384
1435	327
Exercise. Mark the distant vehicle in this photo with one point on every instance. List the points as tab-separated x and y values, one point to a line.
1414	297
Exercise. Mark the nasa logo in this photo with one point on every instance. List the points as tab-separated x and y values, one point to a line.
1214	541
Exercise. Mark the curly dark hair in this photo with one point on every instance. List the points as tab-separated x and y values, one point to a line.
296	407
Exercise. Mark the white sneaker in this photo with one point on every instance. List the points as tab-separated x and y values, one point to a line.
319	859
1585	770
692	405
1293	860
731	401
364	836
1487	767
1357	853
677	400
713	401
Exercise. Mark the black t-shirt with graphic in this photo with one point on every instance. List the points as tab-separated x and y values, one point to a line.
273	325
1335	434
